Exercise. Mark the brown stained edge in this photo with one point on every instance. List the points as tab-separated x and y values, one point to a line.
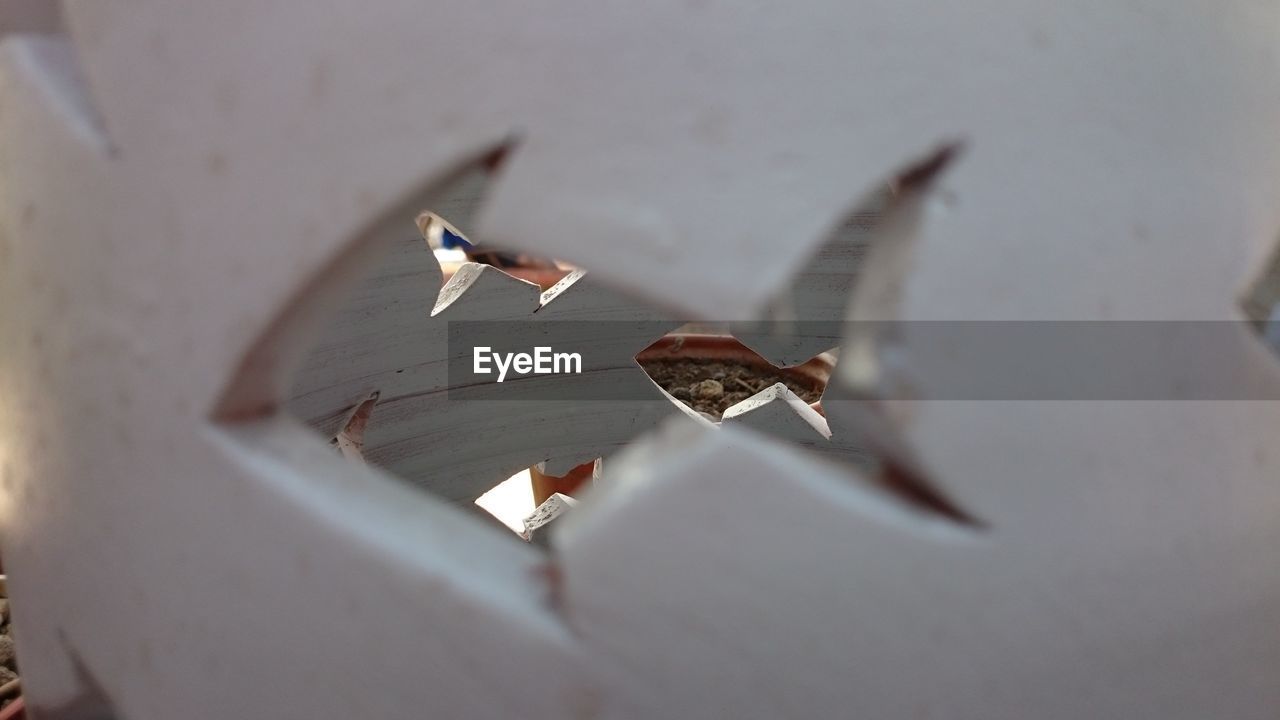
897	468
900	472
1262	294
915	488
257	386
91	702
920	176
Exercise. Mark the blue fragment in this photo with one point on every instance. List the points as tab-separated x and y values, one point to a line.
450	240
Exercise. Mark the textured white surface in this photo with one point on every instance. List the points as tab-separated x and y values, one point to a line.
781	588
649	134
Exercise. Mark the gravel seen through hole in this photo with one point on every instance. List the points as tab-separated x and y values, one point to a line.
713	386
